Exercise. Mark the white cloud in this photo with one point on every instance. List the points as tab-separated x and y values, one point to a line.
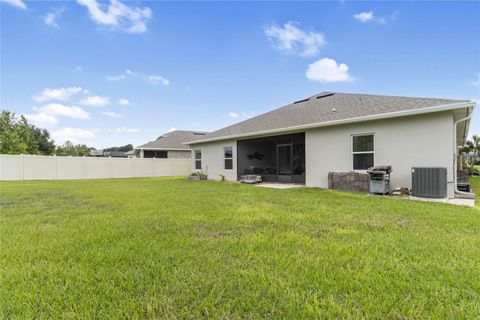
50	18
291	39
95	101
233	115
123	102
61	94
158	80
243	115
390	18
327	70
56	109
155	79
118	15
78	68
172	129
115	78
364	16
130	72
17	3
368	16
112	114
41	119
127	130
476	82
71	134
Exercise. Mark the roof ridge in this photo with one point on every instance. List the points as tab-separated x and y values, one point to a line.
395	96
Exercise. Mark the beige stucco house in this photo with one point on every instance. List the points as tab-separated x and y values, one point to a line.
169	145
339	132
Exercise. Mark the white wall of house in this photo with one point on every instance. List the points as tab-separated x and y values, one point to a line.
405	142
213	159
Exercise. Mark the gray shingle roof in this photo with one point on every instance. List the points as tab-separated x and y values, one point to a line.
325	107
173	140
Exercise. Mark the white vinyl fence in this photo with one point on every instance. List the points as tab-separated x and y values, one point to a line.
27	167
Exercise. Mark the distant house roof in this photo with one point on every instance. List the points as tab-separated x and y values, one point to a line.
327	108
173	140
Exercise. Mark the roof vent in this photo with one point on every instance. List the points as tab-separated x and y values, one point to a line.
325	94
334	110
300	101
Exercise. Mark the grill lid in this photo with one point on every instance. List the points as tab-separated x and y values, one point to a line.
380	170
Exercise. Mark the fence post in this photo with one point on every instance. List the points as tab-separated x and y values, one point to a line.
133	168
55	166
84	168
155	173
21	167
110	166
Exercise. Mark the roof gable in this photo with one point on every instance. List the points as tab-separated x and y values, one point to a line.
323	108
173	140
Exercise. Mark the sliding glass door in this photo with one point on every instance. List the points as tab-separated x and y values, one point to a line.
284	159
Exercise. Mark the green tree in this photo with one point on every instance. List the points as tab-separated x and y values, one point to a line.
69	149
10	140
45	144
18	136
475	145
124	148
25	131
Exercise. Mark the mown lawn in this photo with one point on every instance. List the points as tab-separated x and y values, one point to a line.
172	248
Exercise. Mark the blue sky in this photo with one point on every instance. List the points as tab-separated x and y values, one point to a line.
111	73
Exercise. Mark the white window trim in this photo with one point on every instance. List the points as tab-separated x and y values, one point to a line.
361	152
195	158
224	158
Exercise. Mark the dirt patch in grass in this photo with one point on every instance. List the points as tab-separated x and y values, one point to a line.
220	234
320	232
372	225
403	222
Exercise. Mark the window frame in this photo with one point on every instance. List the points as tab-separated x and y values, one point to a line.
361	152
225	158
197	160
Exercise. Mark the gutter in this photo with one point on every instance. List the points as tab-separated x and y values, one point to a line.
445	107
166	149
455	151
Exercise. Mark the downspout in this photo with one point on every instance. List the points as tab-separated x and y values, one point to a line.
455	149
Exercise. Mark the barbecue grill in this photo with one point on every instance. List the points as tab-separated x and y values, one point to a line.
380	179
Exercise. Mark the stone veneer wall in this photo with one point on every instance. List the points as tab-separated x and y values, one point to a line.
349	181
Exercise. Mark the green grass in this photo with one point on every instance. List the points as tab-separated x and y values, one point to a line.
171	248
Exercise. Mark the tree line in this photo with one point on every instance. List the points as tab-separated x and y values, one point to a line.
17	136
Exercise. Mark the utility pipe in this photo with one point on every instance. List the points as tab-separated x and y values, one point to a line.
455	149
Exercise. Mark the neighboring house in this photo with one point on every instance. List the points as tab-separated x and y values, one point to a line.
130	154
96	153
170	145
338	132
113	154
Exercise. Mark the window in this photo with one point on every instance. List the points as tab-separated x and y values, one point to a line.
155	154
198	159
228	158
363	151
